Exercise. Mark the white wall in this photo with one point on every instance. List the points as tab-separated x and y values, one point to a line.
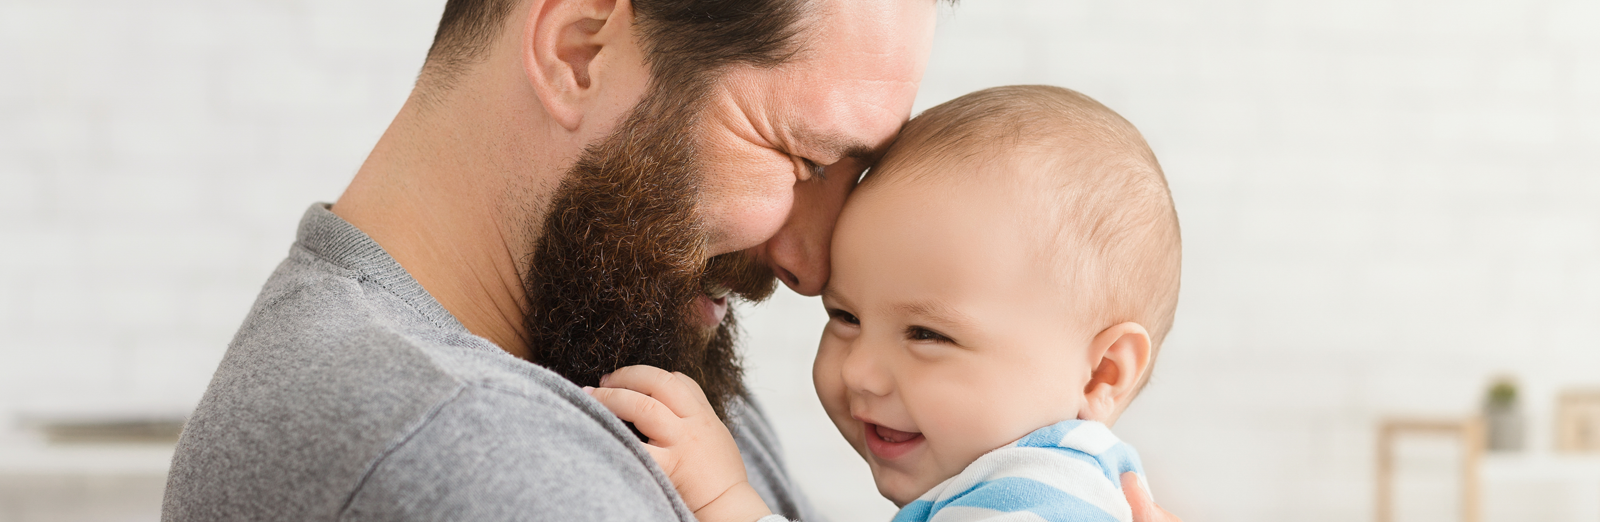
1385	203
156	156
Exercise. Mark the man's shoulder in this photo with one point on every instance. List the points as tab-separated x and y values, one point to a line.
561	462
337	388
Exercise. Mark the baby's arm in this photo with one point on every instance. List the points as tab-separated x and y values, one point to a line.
687	440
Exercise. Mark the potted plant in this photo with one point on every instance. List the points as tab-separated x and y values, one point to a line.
1502	416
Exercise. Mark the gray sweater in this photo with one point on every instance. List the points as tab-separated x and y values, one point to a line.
349	393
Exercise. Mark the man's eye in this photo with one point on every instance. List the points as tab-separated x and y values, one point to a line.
918	333
841	315
816	170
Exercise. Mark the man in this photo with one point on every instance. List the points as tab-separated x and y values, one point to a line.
573	186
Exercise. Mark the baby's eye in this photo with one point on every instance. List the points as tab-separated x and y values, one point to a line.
918	333
843	316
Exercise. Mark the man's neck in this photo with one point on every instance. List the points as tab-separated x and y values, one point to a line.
436	193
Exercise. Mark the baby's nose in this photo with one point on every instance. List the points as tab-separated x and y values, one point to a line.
864	373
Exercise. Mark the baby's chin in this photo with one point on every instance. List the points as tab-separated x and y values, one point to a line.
898	487
895	495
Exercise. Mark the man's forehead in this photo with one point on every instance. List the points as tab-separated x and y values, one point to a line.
849	88
844	112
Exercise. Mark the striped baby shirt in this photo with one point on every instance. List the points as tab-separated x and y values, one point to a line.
1069	471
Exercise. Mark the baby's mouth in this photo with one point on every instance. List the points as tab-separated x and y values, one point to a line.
892	435
890	443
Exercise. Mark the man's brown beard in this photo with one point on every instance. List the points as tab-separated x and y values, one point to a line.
620	260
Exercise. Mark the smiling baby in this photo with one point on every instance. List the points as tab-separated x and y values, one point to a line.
1001	283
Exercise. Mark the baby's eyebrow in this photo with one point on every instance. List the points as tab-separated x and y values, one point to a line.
829	294
937	311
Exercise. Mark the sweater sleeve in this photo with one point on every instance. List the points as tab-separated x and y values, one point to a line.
495	455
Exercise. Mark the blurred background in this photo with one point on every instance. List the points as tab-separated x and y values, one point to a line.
1391	212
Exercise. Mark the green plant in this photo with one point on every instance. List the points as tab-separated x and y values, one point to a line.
1503	393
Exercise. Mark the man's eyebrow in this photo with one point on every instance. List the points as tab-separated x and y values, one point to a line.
861	153
839	146
936	311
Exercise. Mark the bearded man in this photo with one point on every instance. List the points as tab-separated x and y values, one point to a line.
572	187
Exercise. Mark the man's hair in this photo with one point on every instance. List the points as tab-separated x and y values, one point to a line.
684	40
1108	223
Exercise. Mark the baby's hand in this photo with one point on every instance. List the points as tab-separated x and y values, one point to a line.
687	440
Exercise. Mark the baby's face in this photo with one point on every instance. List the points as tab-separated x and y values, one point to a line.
946	339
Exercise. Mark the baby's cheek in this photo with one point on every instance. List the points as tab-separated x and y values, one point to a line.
829	382
963	427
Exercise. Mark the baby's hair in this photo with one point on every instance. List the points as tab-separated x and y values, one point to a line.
1106	214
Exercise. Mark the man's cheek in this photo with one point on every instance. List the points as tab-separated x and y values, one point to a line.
737	223
744	197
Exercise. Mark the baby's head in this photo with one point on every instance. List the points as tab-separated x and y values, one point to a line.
1011	263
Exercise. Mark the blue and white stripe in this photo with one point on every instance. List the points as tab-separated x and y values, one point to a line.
1069	471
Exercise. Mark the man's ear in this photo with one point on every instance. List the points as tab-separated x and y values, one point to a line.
563	47
1119	355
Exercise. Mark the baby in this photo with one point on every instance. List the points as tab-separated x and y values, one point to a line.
1001	283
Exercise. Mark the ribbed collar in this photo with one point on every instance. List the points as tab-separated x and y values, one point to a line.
337	241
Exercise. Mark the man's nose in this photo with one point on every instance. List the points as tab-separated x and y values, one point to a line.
798	253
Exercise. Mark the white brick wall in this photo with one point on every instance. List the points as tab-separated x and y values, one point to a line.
1385	203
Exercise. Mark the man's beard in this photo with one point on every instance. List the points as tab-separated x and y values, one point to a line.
620	260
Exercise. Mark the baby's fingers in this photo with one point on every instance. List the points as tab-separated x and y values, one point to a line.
652	418
1144	509
675	390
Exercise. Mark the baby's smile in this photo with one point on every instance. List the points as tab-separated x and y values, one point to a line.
889	443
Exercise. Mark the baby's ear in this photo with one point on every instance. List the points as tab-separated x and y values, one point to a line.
1119	356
